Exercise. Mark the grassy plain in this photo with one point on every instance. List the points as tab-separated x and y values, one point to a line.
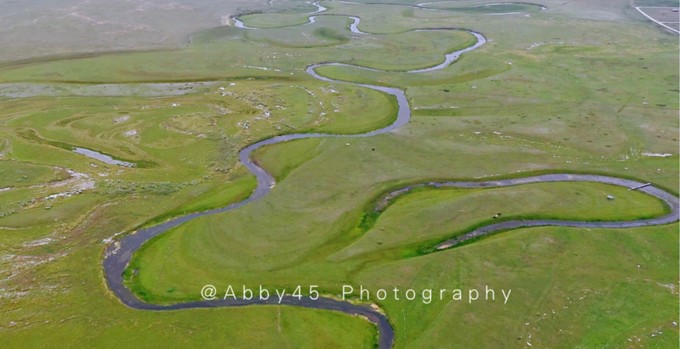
45	30
582	86
414	221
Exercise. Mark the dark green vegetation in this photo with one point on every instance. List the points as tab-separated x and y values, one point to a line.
586	86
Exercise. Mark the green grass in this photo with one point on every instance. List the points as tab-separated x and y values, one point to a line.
280	327
273	20
431	214
570	288
209	196
47	214
570	101
318	34
18	174
490	8
411	221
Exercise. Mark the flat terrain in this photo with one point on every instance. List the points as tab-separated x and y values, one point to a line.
36	31
662	12
577	87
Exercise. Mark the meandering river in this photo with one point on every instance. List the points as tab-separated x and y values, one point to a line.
119	253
